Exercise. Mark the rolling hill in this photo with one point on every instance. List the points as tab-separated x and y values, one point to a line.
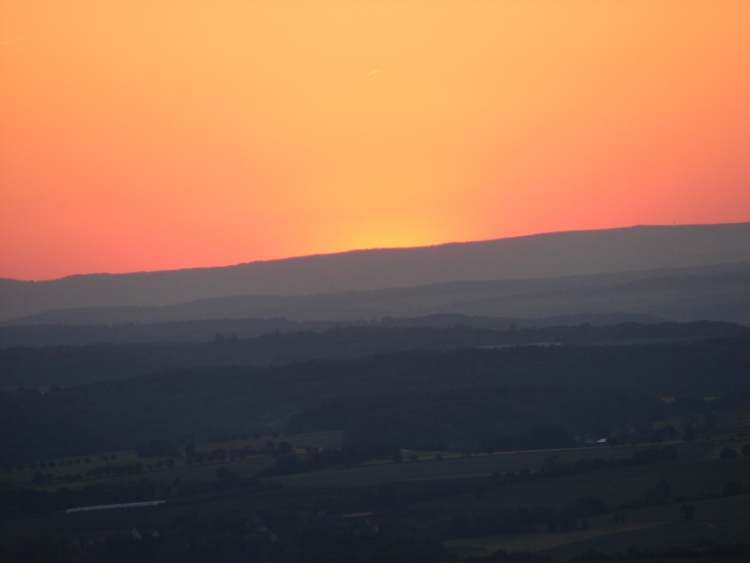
556	255
719	293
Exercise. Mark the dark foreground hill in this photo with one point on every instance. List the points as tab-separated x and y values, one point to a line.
51	366
533	257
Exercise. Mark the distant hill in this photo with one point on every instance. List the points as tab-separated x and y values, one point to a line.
532	257
719	293
217	330
210	330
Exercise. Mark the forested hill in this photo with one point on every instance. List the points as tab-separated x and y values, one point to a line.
416	399
74	365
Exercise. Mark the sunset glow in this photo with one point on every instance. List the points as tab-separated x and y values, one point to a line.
147	134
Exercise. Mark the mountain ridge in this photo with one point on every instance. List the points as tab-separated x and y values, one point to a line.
716	292
538	256
353	251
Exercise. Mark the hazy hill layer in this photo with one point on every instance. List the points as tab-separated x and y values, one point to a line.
533	257
720	293
218	330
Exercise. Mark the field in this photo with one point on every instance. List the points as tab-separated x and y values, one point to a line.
480	465
78	472
721	520
487	545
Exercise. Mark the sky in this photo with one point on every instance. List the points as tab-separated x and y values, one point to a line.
159	134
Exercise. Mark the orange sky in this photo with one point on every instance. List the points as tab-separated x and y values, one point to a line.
147	134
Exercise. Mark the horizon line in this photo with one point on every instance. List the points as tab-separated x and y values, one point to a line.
370	249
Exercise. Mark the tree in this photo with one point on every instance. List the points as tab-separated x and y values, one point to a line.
226	475
157	448
688	512
664	488
732	488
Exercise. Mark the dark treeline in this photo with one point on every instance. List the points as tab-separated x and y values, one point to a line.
20	334
196	331
40	335
523	397
73	365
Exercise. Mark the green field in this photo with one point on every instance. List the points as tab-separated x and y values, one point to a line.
487	545
156	468
485	465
